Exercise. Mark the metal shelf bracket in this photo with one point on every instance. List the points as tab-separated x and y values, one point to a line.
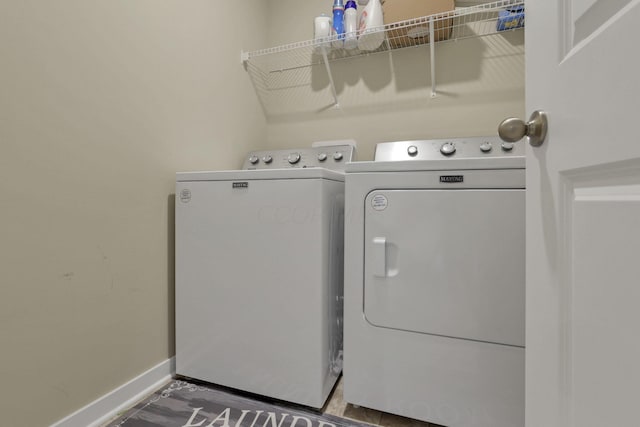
432	53
328	67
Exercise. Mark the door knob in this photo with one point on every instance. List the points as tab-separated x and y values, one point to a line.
513	129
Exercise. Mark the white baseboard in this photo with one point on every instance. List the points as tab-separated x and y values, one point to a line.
106	407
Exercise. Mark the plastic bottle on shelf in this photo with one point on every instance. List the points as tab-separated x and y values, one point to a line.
321	32
371	28
350	25
338	23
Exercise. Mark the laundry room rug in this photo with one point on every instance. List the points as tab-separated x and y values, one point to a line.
187	404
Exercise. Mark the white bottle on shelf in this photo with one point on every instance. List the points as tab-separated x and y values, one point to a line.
321	32
350	25
371	28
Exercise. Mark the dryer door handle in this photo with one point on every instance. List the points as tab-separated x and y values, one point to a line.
379	256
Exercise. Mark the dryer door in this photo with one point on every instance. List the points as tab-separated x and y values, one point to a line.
447	262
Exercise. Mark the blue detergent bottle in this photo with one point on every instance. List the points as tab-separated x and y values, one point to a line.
338	23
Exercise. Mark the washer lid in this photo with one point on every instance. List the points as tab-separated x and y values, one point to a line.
230	175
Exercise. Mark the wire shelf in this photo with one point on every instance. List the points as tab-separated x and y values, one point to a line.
269	68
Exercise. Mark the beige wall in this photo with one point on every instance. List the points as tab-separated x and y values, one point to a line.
101	102
385	97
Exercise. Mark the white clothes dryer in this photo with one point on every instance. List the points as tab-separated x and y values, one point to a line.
259	274
435	282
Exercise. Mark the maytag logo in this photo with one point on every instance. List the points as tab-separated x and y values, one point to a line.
240	185
451	178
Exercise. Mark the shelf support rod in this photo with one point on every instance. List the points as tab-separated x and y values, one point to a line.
333	86
432	52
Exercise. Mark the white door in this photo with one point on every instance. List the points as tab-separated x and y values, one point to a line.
583	214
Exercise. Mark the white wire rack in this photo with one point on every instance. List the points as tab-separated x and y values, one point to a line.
269	68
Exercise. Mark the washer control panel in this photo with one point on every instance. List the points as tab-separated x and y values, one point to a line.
329	157
433	149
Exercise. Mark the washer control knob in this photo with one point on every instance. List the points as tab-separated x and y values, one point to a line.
293	158
267	159
485	147
253	160
322	157
507	146
412	150
337	156
448	148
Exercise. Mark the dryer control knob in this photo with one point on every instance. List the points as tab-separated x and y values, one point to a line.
412	150
293	158
322	157
337	156
507	146
253	160
485	147
267	159
448	148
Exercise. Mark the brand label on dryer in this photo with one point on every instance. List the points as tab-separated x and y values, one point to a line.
240	185
451	178
185	195
379	202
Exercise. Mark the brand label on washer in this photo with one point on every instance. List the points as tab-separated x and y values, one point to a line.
451	178
379	202
240	185
185	195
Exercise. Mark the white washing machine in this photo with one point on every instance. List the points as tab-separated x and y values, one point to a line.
259	274
435	282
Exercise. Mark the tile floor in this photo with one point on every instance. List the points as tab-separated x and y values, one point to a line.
337	406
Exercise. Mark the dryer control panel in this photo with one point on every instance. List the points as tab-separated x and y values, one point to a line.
434	149
329	157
